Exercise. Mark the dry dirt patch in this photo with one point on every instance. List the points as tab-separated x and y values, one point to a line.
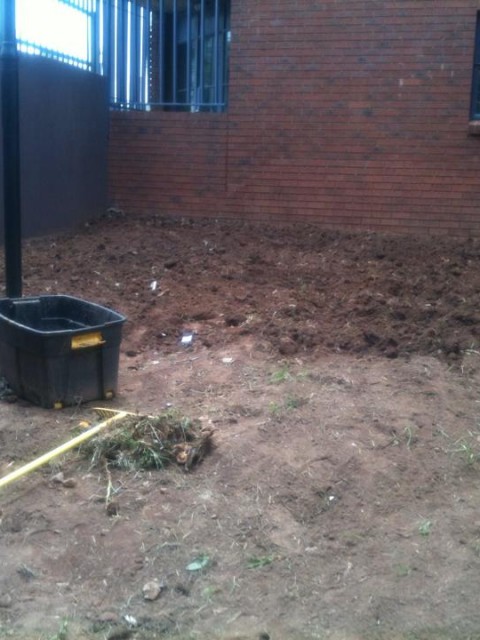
340	373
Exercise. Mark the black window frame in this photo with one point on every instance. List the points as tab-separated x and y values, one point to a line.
475	93
167	40
194	54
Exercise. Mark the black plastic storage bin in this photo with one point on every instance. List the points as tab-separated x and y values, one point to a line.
59	350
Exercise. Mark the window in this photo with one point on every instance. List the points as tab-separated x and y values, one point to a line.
57	29
475	103
196	39
167	54
157	54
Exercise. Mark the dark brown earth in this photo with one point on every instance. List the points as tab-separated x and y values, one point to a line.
340	372
299	289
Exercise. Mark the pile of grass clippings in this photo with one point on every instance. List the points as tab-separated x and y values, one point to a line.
150	442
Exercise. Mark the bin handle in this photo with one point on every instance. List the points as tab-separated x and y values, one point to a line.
85	340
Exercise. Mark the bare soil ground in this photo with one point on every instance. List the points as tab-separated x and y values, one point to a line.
340	373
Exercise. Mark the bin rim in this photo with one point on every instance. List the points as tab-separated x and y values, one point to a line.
118	319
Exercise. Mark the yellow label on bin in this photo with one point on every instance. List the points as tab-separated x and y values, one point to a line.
87	340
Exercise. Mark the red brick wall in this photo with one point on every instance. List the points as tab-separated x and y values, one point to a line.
347	113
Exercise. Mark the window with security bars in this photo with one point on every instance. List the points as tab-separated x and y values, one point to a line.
59	29
157	54
168	54
475	101
194	41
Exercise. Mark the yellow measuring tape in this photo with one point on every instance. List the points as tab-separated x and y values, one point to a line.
46	457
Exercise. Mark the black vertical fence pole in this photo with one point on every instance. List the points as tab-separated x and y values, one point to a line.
11	152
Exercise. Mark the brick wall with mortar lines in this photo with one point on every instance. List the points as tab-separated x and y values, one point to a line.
350	114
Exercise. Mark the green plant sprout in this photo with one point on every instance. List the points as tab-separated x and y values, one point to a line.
282	375
425	528
256	562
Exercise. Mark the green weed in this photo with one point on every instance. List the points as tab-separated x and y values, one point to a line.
62	633
475	546
256	562
402	570
409	437
425	528
292	402
210	591
289	404
282	375
274	408
466	451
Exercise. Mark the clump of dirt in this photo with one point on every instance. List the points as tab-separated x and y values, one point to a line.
297	289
